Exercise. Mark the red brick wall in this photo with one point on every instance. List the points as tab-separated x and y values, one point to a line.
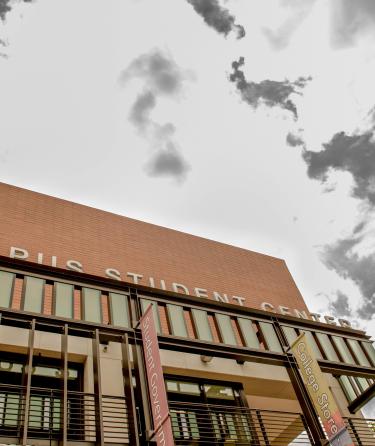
100	240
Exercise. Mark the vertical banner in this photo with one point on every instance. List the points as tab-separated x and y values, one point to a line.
320	393
163	434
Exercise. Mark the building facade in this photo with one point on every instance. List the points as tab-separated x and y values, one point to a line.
74	283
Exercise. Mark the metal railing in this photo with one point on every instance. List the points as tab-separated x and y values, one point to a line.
362	431
45	415
207	424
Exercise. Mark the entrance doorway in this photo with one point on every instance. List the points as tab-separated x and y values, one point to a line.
207	412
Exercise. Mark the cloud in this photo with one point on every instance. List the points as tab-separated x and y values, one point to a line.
141	109
340	306
160	73
280	38
342	258
5	7
294	140
217	17
350	20
267	92
168	162
162	78
348	153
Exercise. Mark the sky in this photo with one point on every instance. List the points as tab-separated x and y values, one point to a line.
247	122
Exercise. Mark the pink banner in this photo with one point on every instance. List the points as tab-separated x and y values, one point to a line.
163	434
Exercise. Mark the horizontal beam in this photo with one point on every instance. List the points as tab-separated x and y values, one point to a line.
340	368
53	324
237	353
363	399
83	329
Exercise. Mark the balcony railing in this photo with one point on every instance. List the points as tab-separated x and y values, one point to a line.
45	415
207	424
362	431
193	423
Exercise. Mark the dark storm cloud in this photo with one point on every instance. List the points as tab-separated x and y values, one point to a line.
340	306
267	92
347	153
217	17
168	162
341	258
351	19
162	77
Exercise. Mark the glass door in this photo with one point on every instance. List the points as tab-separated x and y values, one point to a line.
207	412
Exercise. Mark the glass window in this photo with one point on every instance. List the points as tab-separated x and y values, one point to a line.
185	425
290	333
6	288
327	347
10	403
358	352
270	337
53	372
172	386
36	407
248	333
56	412
201	324
369	348
224	325
183	387
312	343
155	312
177	320
7	366
347	388
91	305
118	304
33	294
362	383
343	349
63	300
219	392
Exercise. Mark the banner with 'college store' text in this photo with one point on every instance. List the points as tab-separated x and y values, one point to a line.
320	393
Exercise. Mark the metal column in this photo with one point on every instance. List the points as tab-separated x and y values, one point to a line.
27	384
64	375
129	393
141	392
99	428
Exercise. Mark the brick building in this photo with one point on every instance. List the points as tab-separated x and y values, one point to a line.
74	282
